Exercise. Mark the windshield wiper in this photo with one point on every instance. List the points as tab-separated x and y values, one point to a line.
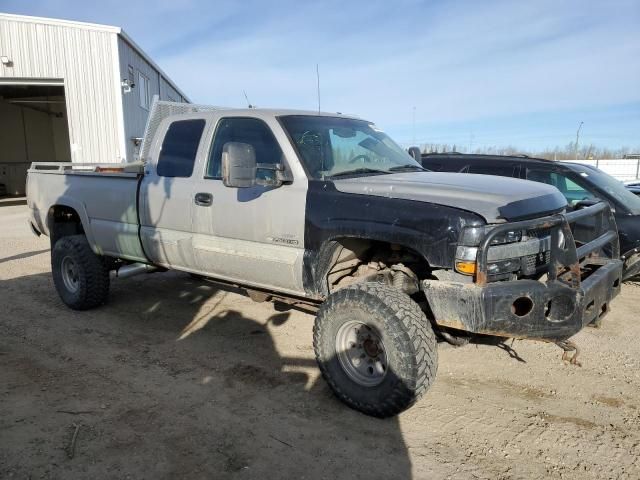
407	167
357	171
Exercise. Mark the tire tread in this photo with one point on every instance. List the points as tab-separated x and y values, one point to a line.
95	288
413	323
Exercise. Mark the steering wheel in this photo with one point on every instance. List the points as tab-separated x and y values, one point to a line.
310	138
364	158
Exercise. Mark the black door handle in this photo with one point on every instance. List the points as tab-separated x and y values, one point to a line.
204	199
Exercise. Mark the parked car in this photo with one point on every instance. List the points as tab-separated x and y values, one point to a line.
580	184
633	189
325	210
633	186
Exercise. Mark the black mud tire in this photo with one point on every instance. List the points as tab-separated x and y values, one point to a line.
90	275
408	340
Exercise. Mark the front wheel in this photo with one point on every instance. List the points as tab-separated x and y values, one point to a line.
375	348
80	276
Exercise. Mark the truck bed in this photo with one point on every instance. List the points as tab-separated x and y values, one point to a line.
108	205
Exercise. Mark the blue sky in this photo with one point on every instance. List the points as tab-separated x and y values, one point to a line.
478	73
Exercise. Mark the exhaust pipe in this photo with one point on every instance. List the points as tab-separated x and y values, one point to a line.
134	269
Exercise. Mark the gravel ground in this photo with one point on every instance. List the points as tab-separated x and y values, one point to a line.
177	378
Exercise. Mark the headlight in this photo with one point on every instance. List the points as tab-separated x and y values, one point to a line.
467	250
507	237
466	262
504	266
472	236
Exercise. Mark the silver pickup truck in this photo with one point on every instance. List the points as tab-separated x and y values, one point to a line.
327	211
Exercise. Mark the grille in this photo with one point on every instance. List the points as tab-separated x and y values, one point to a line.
539	232
533	262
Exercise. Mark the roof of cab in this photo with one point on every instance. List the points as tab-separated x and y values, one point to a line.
473	157
266	112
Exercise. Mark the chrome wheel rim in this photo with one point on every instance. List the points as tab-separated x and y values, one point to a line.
361	353
70	274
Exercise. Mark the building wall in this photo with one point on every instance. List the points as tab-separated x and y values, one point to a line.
135	116
86	59
621	168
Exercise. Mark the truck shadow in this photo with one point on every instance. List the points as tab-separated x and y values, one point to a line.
177	378
502	343
22	255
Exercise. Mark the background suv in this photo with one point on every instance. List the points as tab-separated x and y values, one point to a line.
582	185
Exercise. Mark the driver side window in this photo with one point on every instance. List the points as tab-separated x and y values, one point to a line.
244	130
570	189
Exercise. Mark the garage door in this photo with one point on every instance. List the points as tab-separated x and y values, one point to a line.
34	129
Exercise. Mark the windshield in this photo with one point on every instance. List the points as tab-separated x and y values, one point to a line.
333	146
609	186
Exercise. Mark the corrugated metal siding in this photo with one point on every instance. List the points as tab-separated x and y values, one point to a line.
167	92
135	117
85	59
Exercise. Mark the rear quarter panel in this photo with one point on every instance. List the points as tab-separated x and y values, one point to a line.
106	204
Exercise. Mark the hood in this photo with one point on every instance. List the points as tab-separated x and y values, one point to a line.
495	198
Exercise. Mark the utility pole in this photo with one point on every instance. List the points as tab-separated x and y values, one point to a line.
578	138
318	85
413	141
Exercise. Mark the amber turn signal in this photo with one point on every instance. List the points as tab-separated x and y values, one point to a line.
468	268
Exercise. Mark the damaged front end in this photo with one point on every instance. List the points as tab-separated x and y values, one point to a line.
542	279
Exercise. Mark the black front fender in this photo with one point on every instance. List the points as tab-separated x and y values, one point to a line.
430	230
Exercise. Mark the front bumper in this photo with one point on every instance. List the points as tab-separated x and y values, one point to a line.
524	308
584	274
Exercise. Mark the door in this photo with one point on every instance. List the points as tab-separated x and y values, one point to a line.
250	235
166	194
33	117
584	230
571	190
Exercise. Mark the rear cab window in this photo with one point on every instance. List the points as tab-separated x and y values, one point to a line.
179	148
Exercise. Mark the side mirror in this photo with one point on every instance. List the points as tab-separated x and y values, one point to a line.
416	154
238	165
240	170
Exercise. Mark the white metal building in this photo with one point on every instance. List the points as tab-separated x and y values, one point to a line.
623	169
71	91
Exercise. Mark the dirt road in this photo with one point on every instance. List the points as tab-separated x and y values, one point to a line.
177	378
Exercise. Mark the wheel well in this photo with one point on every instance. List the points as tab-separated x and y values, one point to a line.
356	260
62	222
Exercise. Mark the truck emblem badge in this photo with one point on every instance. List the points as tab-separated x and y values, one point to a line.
282	240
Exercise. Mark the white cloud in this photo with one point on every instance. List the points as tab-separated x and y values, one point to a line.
454	61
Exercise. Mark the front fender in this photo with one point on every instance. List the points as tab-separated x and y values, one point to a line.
430	230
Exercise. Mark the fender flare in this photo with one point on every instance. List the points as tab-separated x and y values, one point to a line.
321	261
80	209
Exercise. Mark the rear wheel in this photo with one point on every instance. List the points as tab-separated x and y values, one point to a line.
375	348
80	276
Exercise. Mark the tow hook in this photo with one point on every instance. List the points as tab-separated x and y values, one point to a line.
568	346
